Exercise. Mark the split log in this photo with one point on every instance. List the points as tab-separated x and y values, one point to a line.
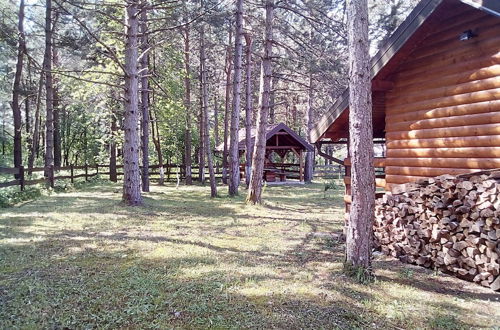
448	222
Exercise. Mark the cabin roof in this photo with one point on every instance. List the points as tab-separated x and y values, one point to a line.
390	54
272	130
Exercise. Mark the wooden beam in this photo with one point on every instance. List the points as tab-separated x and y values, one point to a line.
327	156
301	167
281	147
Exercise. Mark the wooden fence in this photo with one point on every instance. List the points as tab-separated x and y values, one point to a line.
328	171
171	172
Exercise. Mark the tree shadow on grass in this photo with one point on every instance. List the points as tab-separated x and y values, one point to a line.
423	279
103	289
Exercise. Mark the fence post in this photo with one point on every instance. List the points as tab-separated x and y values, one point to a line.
72	170
51	176
97	168
21	177
86	172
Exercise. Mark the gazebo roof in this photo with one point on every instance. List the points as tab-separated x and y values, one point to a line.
288	138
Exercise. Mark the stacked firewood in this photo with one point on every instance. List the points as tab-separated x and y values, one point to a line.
451	223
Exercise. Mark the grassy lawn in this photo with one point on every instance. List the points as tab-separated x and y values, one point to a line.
80	260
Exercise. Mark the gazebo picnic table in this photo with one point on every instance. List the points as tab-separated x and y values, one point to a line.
270	174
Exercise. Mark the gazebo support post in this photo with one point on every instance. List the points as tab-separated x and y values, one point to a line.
301	165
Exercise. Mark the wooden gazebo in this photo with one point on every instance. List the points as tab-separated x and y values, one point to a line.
281	140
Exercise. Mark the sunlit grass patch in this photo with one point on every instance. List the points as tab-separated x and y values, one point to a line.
79	259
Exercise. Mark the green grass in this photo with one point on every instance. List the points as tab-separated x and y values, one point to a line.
81	260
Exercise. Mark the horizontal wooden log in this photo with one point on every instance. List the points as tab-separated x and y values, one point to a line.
447	58
10	183
427	171
79	176
412	77
478	152
62	177
482	163
437	46
378	181
9	170
461	20
398	179
433	92
457	110
378	162
470	130
416	84
62	168
447	101
454	121
453	142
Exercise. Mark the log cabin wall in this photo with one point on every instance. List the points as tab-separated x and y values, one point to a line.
443	113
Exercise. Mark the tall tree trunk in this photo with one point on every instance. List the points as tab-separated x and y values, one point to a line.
216	128
229	69
187	105
234	153
3	130
359	230
131	176
16	90
308	173
113	177
202	150
56	109
272	113
259	153
156	141
204	105
145	99
248	110
36	126
49	117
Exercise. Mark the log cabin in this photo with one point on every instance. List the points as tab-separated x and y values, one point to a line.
435	92
281	140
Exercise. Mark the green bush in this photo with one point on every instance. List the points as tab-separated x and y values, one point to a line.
10	197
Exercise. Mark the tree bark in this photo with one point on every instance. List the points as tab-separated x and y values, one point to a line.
216	128
56	105
144	99
131	176
49	117
204	105
359	230
228	68
201	117
35	140
187	105
156	141
272	114
248	109
308	173
16	90
113	177
234	159
259	153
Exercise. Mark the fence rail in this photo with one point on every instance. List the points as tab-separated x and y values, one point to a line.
171	172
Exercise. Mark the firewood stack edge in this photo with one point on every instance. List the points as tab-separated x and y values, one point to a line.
450	223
